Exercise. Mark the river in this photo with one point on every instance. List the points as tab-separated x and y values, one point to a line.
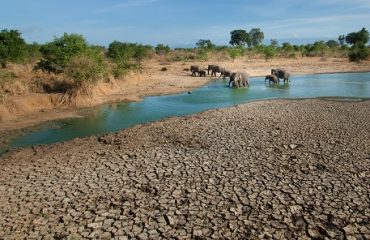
113	117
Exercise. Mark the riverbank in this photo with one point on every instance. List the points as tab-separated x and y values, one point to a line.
283	169
30	109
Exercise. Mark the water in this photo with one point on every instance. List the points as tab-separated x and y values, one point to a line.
113	117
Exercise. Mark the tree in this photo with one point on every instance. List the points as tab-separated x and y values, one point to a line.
240	37
12	47
332	44
274	43
58	53
358	40
162	49
342	40
256	36
205	44
358	52
360	37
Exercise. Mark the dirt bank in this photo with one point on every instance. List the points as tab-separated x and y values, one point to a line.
272	169
25	110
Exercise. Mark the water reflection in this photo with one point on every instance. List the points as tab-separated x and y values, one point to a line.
279	85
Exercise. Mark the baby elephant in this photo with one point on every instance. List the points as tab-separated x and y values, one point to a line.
202	73
272	78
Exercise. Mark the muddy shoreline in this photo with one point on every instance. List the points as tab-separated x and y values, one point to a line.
269	169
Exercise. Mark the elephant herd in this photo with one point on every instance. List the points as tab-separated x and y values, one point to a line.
238	78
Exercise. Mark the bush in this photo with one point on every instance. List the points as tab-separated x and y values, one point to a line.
6	77
202	54
33	52
358	52
162	49
236	52
269	52
58	53
12	47
86	69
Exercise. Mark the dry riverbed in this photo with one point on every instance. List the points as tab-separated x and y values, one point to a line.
283	169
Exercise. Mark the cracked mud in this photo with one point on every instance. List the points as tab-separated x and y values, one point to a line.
274	170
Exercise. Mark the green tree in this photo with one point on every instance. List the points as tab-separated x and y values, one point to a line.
120	51
360	37
240	37
12	47
274	43
342	40
332	44
358	52
162	49
358	40
58	53
256	36
205	44
142	52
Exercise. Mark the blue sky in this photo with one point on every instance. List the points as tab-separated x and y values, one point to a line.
183	22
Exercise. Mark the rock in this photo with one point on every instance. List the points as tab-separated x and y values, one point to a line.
95	225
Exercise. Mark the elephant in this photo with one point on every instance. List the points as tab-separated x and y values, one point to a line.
272	78
216	69
226	73
209	68
239	79
232	79
194	69
280	73
202	73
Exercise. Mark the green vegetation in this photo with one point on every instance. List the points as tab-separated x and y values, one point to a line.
78	65
236	52
162	49
12	47
358	40
86	69
205	44
127	56
56	55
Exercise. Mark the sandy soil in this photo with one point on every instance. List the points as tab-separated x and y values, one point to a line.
26	110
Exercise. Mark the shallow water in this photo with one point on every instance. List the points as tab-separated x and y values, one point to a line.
113	117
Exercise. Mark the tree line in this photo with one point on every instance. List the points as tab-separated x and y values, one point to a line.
84	63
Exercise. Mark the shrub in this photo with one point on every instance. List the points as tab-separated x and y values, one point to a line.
358	52
162	49
202	55
58	53
269	52
86	69
236	52
33	52
12	47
